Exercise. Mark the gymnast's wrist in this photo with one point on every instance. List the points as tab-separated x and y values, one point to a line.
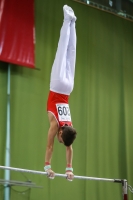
69	168
47	166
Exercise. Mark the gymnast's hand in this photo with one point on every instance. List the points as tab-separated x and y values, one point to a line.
70	176
50	174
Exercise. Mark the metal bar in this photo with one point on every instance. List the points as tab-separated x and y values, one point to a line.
16	182
7	149
124	189
61	175
20	184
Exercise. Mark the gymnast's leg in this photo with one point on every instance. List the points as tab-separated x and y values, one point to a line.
59	81
71	55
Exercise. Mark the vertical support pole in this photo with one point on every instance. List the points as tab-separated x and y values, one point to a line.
7	150
124	189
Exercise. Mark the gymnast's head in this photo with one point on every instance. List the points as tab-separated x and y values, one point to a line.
66	135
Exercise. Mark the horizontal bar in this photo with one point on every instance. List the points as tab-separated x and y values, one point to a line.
61	175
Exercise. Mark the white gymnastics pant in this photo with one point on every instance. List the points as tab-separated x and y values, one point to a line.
63	69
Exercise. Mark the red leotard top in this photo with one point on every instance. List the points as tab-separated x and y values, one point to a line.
58	105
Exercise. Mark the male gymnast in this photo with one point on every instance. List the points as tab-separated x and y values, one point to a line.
61	85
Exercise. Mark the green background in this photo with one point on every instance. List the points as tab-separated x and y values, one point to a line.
101	105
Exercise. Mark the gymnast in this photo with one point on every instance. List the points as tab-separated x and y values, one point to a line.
61	85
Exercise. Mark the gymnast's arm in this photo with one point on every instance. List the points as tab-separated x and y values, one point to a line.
50	140
69	157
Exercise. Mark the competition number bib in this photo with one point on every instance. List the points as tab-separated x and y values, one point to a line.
63	112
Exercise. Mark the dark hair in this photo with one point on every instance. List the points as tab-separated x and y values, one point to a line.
68	135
